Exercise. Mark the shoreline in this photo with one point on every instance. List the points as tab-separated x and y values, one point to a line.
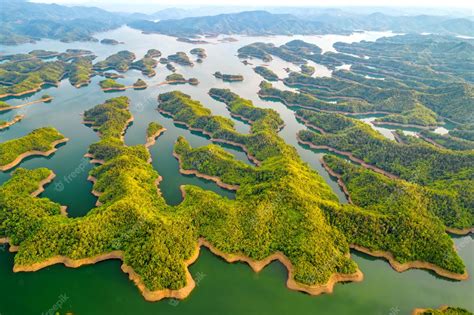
397	137
215	179
350	156
308	124
417	264
456	231
182	293
12	122
284	102
420	311
340	182
252	158
151	140
24	155
430	141
389	123
41	100
245	119
258	265
126	87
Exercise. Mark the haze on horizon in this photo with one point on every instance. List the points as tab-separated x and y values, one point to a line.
273	3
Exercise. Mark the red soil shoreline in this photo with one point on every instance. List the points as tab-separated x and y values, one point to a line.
339	180
250	156
12	122
401	267
41	100
215	179
22	156
350	156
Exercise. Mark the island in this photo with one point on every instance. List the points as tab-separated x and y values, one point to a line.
108	41
177	78
180	58
229	77
111	85
153	53
130	206
363	145
383	82
29	76
42	141
266	73
308	70
146	65
120	62
199	52
140	85
80	71
4	106
191	41
153	131
170	67
7	124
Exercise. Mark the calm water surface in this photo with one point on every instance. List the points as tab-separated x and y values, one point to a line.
223	288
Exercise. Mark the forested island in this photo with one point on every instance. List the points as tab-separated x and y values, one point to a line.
409	93
180	58
42	141
266	73
229	77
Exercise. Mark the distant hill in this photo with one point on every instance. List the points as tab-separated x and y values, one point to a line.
23	21
330	21
248	23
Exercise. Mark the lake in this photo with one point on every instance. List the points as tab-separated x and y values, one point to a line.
222	288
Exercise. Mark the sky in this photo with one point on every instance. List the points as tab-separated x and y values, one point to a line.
332	3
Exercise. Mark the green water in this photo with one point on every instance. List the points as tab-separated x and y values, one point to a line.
223	288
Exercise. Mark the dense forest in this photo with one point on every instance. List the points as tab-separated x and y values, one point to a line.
389	75
447	175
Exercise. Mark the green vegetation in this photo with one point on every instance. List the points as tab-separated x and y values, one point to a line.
464	132
266	73
120	62
41	140
229	77
175	78
446	175
22	77
447	141
108	41
199	52
419	115
153	128
449	310
140	84
170	67
153	53
282	205
25	22
397	206
111	84
415	88
80	71
145	65
180	58
307	70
